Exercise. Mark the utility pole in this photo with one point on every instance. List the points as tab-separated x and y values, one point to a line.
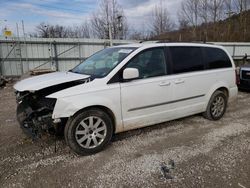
119	18
23	29
109	26
1	68
19	49
110	35
25	44
56	56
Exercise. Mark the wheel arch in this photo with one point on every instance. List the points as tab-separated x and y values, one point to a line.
224	90
104	109
219	86
207	113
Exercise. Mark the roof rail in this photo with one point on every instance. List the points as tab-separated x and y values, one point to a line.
149	41
169	41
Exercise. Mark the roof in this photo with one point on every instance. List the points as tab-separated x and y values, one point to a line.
147	45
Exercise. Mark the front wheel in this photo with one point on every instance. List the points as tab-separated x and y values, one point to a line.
89	131
216	106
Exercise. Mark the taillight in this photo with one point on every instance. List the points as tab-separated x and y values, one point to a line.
237	76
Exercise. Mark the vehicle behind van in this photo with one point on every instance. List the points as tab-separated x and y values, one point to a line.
244	77
128	87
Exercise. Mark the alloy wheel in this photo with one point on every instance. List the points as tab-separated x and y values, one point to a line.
218	106
91	132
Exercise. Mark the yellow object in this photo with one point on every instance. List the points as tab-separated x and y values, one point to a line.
7	33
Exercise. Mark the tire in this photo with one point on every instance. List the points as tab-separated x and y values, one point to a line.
216	107
89	132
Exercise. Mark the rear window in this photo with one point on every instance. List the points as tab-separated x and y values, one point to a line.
217	58
186	59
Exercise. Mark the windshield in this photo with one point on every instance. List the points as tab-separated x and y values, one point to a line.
102	62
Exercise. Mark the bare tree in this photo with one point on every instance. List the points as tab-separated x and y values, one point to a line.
183	23
189	12
215	9
136	35
81	31
51	31
228	7
85	30
241	5
161	21
203	11
203	14
228	13
58	31
42	30
109	16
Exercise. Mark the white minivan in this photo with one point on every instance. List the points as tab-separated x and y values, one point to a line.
127	87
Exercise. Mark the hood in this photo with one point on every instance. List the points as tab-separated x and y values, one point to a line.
43	81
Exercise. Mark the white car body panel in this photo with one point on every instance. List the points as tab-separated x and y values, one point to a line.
39	82
95	93
147	107
142	102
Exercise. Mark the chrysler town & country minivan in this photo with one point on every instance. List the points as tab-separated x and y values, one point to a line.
127	87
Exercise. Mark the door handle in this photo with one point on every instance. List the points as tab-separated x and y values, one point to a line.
179	81
164	84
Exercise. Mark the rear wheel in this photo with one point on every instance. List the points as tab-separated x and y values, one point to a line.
217	106
89	131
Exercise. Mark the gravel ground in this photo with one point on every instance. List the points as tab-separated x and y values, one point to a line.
206	154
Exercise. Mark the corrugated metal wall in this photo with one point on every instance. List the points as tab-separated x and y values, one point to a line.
20	55
238	50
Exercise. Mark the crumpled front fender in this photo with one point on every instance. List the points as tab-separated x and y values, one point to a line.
66	107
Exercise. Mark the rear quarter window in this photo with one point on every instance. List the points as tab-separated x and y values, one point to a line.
186	59
216	58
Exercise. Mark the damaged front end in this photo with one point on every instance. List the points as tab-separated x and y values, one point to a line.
34	113
34	110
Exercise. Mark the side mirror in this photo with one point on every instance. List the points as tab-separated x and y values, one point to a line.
130	73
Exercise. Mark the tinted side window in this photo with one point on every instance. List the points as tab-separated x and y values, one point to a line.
150	63
217	58
186	59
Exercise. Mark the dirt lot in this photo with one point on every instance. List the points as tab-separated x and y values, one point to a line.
206	154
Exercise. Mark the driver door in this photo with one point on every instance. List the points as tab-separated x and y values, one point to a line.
145	100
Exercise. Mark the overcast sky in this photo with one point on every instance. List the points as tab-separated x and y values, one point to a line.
74	12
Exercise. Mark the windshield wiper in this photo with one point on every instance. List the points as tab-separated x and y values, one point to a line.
74	71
